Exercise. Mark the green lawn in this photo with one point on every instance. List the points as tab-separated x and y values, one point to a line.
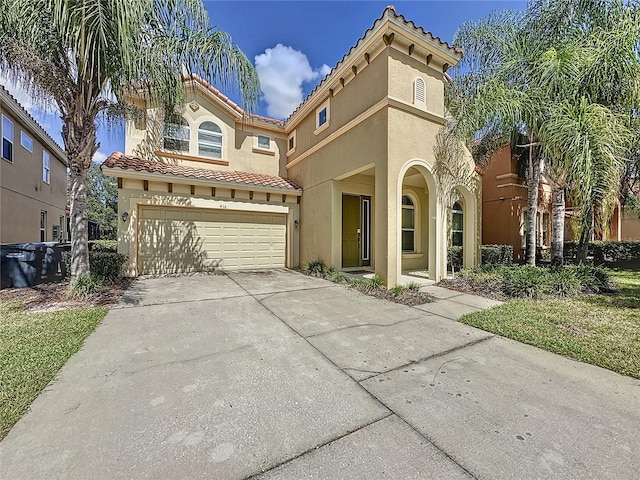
33	347
603	330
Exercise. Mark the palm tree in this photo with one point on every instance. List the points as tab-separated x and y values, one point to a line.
556	74
91	58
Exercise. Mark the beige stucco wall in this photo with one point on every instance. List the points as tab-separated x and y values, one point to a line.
24	195
239	138
629	226
132	196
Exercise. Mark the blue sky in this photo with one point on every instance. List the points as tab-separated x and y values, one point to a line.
295	43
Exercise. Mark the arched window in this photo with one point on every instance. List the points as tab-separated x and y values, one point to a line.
209	140
176	136
419	97
456	225
408	225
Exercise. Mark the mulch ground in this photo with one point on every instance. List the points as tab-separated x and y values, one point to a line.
56	296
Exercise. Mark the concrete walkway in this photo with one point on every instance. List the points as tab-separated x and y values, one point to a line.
274	375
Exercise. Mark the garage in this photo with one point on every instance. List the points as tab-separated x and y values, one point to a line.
178	240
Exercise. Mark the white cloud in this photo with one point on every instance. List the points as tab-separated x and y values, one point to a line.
282	71
99	157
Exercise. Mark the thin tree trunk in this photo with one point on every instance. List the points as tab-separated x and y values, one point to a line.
533	184
585	234
79	224
79	136
557	230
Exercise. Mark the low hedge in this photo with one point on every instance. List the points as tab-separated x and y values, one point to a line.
606	253
106	266
529	282
103	246
491	255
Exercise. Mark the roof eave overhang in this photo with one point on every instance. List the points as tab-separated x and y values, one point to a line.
43	137
167	177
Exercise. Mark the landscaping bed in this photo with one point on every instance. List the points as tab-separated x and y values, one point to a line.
596	323
409	294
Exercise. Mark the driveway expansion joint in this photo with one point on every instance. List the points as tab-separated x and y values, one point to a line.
230	297
256	475
426	314
435	355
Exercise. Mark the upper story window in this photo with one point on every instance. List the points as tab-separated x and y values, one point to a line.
456	225
26	141
419	95
209	140
264	142
7	139
176	136
323	116
46	167
408	224
291	143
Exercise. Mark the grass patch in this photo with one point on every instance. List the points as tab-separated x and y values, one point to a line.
603	329
33	347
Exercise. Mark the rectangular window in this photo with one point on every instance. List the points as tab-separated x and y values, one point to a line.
291	143
408	228
26	141
322	117
46	167
7	139
61	228
264	142
43	226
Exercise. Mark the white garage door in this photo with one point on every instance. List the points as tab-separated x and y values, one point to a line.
175	240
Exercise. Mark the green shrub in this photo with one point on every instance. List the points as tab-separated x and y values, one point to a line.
413	286
84	286
314	267
592	279
333	275
372	283
105	266
526	281
497	254
397	290
606	253
491	255
563	282
454	258
103	246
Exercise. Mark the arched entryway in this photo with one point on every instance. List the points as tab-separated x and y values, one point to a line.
416	214
462	224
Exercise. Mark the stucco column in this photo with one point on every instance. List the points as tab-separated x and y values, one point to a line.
385	227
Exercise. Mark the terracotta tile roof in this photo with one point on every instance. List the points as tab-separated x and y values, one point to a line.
233	105
130	162
392	11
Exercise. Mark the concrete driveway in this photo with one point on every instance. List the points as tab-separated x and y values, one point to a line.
274	375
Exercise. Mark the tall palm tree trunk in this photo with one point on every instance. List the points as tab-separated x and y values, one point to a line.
557	228
80	144
533	184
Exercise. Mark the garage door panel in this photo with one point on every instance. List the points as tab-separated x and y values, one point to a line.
175	240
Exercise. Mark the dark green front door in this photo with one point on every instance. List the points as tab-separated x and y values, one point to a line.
350	231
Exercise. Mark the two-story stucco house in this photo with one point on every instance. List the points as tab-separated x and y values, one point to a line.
33	178
348	178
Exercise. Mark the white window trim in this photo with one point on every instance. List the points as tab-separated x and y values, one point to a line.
22	136
46	167
11	140
209	143
460	212
417	239
292	135
180	125
264	150
321	128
